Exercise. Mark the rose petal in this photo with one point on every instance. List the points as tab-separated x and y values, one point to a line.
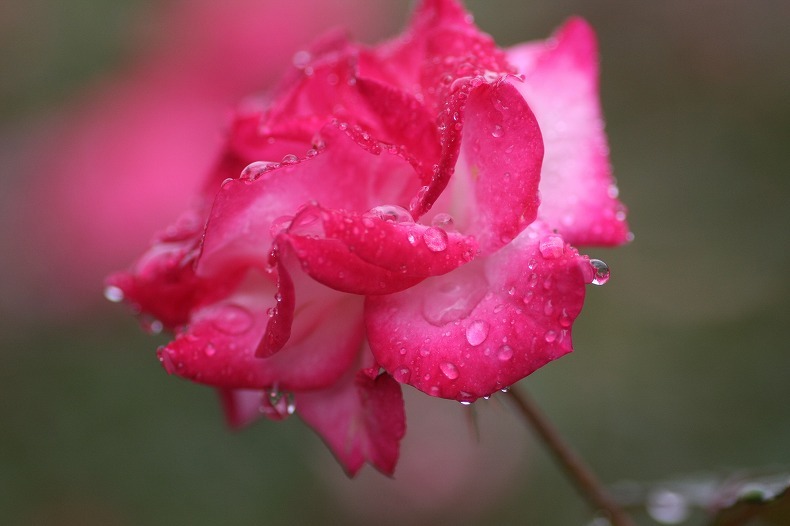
239	231
163	285
361	419
240	406
218	347
579	198
499	166
367	254
484	326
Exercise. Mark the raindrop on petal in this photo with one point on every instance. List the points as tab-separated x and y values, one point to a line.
477	332
552	247
435	239
392	213
449	370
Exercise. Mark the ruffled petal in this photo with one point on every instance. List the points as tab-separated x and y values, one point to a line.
374	253
162	284
579	197
246	213
218	347
361	419
484	326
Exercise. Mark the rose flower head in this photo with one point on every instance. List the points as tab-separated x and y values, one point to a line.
397	214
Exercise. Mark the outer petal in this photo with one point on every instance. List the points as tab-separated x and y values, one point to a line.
361	419
218	347
240	228
484	326
579	197
163	285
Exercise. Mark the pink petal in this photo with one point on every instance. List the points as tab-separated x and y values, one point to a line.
374	253
241	406
218	346
163	285
361	419
484	326
239	231
499	166
579	197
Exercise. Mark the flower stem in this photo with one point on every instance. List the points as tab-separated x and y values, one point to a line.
580	474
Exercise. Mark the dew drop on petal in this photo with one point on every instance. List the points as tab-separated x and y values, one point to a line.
392	213
290	159
504	353
551	247
113	293
498	131
449	370
550	336
600	272
435	239
233	319
443	221
477	332
209	350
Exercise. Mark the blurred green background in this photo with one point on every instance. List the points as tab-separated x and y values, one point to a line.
682	365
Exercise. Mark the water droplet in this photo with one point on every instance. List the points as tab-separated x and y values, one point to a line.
449	370
233	319
613	191
504	353
209	350
402	375
412	238
254	170
392	213
548	308
667	507
551	247
301	59
113	293
435	239
565	319
600	272
498	131
290	159
443	221
550	336
453	298
477	332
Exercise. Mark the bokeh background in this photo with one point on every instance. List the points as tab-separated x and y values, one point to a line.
682	362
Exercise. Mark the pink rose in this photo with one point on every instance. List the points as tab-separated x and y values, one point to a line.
390	208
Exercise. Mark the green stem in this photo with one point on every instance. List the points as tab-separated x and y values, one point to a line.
582	477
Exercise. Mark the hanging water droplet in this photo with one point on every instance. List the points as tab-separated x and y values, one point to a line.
551	247
113	293
504	353
498	131
465	402
477	332
435	239
600	272
449	370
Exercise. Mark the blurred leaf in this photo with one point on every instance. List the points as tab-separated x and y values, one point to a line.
758	504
